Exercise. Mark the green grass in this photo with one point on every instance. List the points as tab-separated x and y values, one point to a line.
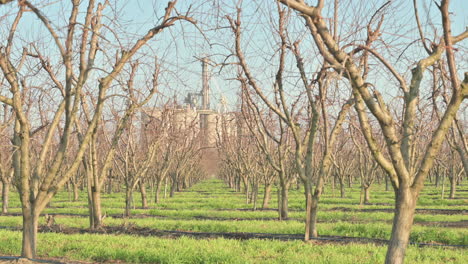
187	250
211	199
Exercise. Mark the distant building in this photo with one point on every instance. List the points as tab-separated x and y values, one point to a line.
195	115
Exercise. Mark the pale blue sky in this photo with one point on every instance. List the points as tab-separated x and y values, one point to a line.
178	47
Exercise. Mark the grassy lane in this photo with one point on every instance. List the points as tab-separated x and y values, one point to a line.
102	248
211	207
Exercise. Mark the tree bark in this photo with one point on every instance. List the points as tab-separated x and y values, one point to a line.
405	206
76	193
284	202
453	185
96	204
342	188
387	187
266	195
109	183
30	224
5	196
173	188
255	195
313	216
310	203
128	201
157	199
90	199
144	200
367	194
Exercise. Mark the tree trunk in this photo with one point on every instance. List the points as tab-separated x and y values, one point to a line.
266	195
96	204
90	200
76	193
442	194
310	203
405	205
313	216
284	202
173	188
30	224
367	194
5	196
332	181
157	199
453	186
109	183
144	200
128	201
247	191
255	196
342	188
68	185
361	195
165	188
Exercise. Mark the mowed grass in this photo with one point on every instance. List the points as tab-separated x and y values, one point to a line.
212	207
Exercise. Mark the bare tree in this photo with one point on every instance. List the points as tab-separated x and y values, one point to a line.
302	121
407	176
38	182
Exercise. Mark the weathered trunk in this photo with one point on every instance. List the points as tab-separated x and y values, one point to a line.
453	186
5	196
255	196
405	205
179	185
342	188
90	201
313	216
247	191
68	185
332	181
442	193
173	187
284	202
309	205
30	224
361	196
76	193
157	199
144	200
238	184
96	204
109	184
165	188
367	194
128	201
266	195
185	184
